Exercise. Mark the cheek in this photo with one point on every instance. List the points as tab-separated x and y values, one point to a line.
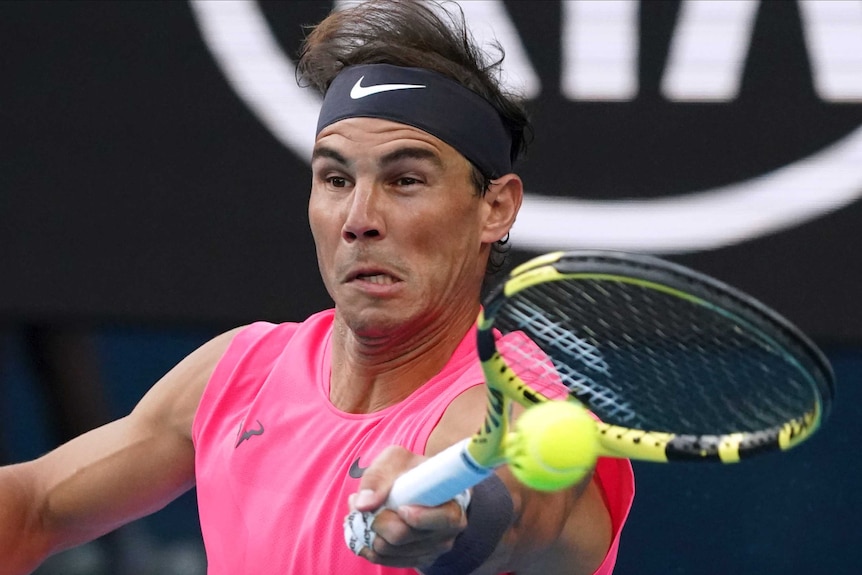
321	218
321	223
323	249
452	238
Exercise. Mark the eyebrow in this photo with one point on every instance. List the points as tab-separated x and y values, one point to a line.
407	152
325	152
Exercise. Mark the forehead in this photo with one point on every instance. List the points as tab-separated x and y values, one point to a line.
375	136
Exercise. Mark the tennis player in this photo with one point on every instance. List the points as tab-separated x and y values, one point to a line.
288	429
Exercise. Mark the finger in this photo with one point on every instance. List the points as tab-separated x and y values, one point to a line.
421	547
378	477
408	555
433	530
386	533
449	517
402	562
366	500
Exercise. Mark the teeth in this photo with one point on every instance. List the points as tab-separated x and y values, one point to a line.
379	279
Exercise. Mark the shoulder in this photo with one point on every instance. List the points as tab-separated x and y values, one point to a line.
265	340
174	400
460	419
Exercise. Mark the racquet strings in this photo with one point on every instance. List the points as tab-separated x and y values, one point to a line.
644	356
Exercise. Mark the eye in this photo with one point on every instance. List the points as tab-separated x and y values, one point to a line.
406	181
336	181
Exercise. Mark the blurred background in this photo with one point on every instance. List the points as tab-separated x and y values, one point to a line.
153	180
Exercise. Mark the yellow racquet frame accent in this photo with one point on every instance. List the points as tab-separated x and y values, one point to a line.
504	386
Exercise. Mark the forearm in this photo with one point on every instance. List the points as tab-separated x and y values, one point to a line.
23	544
88	487
108	477
553	533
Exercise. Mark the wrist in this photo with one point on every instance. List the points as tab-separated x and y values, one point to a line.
490	513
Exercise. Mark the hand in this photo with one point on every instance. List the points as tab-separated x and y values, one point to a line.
410	536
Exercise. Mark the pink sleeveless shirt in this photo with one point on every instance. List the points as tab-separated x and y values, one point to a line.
276	461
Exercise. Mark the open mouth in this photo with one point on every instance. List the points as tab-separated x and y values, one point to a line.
376	278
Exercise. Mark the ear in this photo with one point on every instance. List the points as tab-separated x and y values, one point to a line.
503	201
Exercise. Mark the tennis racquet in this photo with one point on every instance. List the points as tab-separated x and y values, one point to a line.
677	366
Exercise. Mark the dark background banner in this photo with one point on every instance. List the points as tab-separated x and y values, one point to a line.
138	186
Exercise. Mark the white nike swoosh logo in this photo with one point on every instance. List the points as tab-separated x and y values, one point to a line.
359	91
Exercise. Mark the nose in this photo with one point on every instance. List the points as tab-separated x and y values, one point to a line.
364	217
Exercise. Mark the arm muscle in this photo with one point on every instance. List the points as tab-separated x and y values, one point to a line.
108	476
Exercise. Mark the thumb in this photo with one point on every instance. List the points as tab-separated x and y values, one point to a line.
378	477
367	500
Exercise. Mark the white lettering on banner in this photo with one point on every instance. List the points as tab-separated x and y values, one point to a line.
833	31
600	50
709	47
600	43
708	50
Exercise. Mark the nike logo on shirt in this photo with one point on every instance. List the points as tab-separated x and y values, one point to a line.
359	91
355	471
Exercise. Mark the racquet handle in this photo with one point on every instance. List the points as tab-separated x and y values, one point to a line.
439	478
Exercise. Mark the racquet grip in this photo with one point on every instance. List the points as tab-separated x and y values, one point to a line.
439	478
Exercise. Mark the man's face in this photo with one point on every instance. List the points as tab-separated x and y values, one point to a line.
398	226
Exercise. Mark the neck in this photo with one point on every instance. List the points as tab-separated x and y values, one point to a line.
372	373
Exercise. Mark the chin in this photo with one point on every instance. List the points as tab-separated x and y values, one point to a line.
368	322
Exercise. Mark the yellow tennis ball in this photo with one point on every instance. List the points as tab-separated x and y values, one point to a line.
553	445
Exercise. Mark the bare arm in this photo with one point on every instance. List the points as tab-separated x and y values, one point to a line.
552	533
565	532
109	476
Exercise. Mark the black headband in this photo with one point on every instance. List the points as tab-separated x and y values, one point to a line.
425	100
